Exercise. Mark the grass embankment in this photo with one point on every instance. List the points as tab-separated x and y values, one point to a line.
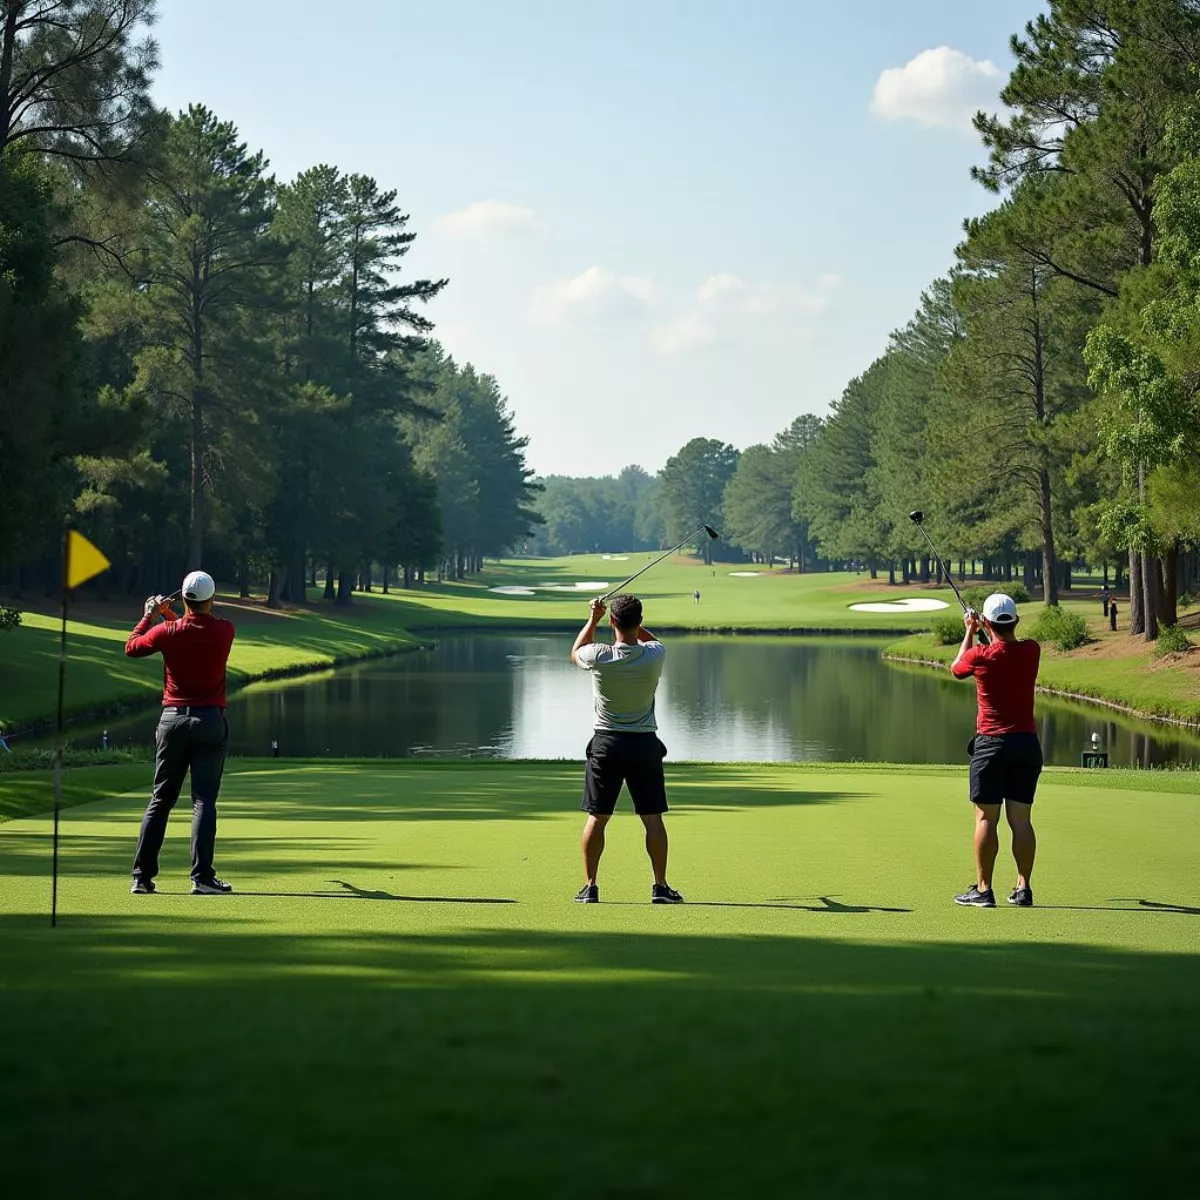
274	642
1115	668
402	995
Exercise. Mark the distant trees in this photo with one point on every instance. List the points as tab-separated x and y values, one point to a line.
693	489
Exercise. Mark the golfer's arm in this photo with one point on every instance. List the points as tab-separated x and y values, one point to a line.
644	635
967	642
143	639
585	637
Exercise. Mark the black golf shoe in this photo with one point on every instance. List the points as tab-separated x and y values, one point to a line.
663	893
211	887
974	898
588	894
142	887
1022	897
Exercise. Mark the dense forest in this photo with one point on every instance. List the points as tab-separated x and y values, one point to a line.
1041	404
202	364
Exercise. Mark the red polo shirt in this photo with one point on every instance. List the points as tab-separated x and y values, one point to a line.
195	649
1005	675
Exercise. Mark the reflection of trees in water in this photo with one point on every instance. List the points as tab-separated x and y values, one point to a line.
832	699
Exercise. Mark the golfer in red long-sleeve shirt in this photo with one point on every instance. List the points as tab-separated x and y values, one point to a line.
192	732
1006	756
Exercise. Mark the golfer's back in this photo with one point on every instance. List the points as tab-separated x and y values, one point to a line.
624	679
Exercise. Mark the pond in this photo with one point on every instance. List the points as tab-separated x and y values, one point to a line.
721	699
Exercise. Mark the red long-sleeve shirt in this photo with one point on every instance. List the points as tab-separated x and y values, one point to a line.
195	649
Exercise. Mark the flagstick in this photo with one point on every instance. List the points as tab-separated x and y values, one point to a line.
58	745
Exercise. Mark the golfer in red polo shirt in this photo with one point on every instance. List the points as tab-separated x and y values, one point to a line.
192	732
1006	756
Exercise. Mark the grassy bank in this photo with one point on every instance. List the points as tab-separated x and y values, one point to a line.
401	994
319	636
1115	668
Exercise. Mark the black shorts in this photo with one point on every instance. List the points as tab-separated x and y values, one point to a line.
617	758
1005	767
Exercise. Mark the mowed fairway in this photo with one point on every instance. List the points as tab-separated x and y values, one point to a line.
402	996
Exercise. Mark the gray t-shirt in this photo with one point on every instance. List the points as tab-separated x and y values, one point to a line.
623	682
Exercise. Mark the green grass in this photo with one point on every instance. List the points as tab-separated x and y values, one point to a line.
401	996
101	678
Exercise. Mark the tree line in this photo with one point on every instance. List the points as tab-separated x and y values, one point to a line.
202	365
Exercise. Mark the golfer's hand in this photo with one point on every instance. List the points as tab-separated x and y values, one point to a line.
971	620
153	604
598	611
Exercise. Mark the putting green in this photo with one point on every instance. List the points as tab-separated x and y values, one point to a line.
402	995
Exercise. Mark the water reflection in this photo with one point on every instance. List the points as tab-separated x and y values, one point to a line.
729	698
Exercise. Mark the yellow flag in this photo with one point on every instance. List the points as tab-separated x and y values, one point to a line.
83	560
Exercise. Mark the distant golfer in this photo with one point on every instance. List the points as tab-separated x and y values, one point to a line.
625	746
1006	756
192	732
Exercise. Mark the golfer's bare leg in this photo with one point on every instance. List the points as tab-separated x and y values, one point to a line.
656	845
987	843
1024	840
593	845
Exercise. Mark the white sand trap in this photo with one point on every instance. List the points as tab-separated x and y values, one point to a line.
745	574
587	585
616	557
911	605
512	590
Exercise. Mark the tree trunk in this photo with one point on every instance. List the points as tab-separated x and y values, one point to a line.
891	572
243	581
343	589
196	456
1170	584
1152	594
420	574
387	571
873	567
329	593
275	584
924	568
1137	611
904	572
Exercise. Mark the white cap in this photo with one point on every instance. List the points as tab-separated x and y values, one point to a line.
198	586
999	609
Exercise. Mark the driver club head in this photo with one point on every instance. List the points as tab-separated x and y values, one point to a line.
916	516
712	533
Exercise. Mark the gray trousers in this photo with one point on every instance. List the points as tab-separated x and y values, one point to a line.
195	739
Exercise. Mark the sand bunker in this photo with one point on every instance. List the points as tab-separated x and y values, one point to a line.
616	557
911	605
746	574
512	590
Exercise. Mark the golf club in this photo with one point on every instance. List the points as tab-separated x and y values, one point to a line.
917	517
691	537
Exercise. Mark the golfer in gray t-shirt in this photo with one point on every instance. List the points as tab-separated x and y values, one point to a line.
624	748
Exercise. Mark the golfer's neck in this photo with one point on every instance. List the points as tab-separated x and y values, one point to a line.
626	637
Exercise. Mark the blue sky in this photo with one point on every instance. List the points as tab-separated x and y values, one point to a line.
660	220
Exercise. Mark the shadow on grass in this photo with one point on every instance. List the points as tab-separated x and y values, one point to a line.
792	1066
351	892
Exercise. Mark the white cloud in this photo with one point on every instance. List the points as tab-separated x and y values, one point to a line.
728	308
941	87
691	329
486	217
716	285
594	293
829	281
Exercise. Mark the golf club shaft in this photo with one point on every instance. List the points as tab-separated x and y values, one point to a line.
665	554
945	569
950	580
